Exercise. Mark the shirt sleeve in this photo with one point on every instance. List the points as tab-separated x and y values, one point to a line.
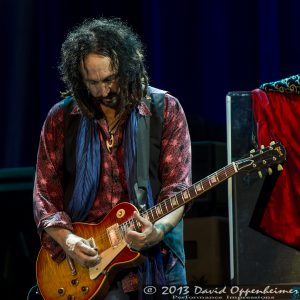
175	157
48	192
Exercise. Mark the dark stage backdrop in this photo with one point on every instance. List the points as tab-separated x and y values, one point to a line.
198	50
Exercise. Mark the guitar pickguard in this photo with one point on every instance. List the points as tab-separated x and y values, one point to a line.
106	257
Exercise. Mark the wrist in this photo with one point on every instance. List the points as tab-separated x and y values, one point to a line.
71	241
163	229
60	235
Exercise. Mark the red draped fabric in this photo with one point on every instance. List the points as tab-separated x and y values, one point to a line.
277	118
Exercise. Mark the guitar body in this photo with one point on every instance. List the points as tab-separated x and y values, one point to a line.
55	280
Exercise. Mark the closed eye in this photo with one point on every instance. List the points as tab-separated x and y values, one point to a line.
106	80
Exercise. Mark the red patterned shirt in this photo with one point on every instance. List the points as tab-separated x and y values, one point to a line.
175	168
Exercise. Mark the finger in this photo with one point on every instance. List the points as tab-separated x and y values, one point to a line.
88	262
135	236
127	238
87	250
139	218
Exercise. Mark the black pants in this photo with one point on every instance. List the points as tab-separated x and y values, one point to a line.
116	293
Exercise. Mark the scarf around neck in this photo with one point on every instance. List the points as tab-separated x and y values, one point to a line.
87	179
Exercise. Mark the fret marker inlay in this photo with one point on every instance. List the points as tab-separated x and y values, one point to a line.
213	179
198	187
158	210
174	201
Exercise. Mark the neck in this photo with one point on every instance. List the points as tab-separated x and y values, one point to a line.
109	113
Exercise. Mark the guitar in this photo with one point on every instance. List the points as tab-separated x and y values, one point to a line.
68	280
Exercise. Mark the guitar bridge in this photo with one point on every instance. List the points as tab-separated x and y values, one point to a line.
114	235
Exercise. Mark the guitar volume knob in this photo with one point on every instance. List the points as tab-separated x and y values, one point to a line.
61	291
74	282
84	289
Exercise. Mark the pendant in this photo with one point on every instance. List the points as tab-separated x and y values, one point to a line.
110	144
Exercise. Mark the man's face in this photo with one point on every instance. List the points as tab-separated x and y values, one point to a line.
100	79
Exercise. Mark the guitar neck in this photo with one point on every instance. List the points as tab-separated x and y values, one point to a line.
185	196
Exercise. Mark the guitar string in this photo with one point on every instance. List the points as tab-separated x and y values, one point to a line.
228	171
167	203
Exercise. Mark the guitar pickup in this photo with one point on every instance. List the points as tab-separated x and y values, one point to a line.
114	235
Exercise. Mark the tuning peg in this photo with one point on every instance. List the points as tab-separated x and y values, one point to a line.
270	171
272	143
252	152
279	167
260	174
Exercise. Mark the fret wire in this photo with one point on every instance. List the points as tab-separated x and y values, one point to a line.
154	213
192	191
200	186
181	198
213	179
231	170
223	174
158	208
174	202
195	188
174	199
225	171
204	184
185	195
170	203
150	216
163	206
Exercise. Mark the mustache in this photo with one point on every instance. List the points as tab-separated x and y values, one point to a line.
110	96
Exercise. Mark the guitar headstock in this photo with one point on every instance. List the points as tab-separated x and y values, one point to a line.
264	158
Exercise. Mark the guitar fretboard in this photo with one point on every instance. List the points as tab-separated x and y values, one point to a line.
183	197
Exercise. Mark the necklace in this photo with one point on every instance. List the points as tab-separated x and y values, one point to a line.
113	126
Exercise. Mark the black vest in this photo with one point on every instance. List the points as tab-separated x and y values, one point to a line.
148	149
148	146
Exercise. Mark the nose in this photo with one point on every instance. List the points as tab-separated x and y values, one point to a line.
103	90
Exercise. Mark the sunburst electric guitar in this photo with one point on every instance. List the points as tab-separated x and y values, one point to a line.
68	280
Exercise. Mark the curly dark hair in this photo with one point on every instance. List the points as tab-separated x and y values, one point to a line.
111	38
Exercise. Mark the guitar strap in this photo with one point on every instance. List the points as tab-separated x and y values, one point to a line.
148	148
